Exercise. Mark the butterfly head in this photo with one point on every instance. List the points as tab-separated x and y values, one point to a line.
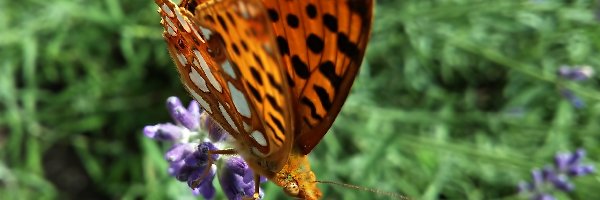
297	179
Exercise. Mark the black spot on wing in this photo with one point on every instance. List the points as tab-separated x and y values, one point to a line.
274	83
300	67
282	43
311	10
272	101
244	45
290	80
277	123
327	68
235	48
209	18
277	136
258	60
254	92
330	22
315	43
273	14
222	23
323	97
230	18
313	110
347	47
292	20
256	75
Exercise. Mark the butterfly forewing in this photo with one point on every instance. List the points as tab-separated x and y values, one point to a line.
188	50
233	69
322	44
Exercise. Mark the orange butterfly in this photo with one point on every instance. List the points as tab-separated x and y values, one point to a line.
272	73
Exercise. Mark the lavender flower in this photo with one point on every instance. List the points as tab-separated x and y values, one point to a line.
193	135
572	98
237	179
556	178
576	73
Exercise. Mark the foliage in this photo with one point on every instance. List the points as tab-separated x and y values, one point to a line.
456	100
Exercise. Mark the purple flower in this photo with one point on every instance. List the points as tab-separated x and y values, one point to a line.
164	132
187	117
172	104
215	132
556	177
543	197
233	179
571	97
575	73
206	190
570	163
194	134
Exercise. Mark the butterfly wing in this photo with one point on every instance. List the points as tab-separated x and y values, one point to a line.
227	58
322	44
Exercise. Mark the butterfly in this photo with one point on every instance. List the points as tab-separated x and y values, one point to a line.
272	73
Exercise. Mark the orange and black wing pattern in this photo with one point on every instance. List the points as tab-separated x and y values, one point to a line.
322	43
228	60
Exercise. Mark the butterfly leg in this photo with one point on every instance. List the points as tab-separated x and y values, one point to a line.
256	186
197	182
256	195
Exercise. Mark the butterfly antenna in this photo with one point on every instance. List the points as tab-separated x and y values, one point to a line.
376	191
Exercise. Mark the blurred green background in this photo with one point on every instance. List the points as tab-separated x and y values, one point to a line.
456	99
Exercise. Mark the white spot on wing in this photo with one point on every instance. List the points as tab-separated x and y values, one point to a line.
198	80
211	78
170	31
247	127
196	34
205	32
227	117
182	21
200	100
167	10
239	100
182	59
259	138
228	69
171	24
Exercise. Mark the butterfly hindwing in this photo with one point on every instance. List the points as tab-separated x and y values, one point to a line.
322	44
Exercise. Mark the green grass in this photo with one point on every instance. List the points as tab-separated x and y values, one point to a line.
455	100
